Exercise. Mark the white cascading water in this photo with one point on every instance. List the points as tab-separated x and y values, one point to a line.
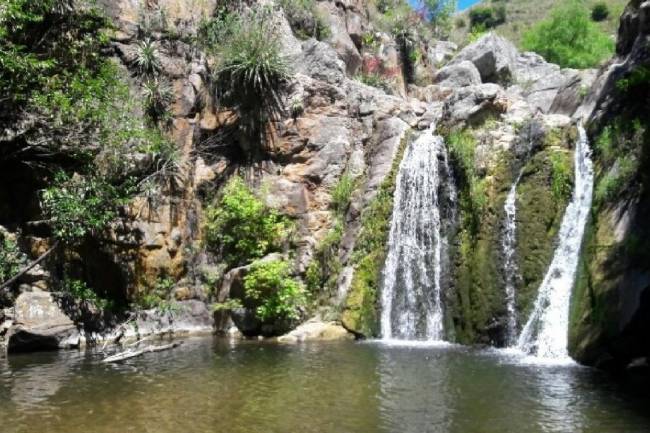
546	332
508	245
411	306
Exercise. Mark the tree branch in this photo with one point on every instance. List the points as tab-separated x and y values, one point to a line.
26	269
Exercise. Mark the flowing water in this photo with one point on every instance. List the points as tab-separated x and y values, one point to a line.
508	244
411	301
546	332
212	385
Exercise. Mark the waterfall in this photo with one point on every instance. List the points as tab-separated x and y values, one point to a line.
411	306
546	332
508	244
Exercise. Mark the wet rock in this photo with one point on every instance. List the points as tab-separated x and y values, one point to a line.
40	324
315	330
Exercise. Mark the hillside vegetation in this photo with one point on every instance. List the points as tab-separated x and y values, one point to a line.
521	15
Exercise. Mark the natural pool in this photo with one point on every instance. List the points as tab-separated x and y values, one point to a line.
212	385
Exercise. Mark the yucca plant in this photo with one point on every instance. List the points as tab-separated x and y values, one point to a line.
251	78
147	60
157	95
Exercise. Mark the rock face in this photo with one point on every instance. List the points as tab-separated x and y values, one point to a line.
610	306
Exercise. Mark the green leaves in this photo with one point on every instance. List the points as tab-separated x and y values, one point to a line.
569	38
79	206
11	259
279	296
240	228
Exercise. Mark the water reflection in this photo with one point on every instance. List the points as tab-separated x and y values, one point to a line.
213	386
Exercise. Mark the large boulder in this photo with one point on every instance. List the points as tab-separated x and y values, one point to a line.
458	75
318	60
493	56
315	330
473	104
339	37
40	324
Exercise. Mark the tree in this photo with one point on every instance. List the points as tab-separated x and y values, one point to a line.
569	38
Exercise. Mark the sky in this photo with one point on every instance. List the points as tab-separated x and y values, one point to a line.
462	4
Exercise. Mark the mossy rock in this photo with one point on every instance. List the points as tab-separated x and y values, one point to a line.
360	315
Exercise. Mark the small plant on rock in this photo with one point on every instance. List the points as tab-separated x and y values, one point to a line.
279	297
147	60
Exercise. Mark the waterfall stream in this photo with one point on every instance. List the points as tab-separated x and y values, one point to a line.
546	332
411	306
508	244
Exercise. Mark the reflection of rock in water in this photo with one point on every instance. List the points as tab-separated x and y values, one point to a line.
33	384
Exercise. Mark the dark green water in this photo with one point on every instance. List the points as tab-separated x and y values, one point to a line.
210	385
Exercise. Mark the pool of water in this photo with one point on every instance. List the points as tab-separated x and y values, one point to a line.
212	385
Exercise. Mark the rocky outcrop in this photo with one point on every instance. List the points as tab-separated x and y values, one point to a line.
610	308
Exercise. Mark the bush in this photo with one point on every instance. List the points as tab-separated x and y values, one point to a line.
80	291
487	17
599	11
617	179
277	295
11	259
341	193
240	228
569	38
79	206
561	177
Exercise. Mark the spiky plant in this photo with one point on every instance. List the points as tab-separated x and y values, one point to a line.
147	60
157	95
251	78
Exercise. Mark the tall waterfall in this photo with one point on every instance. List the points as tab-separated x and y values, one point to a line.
411	305
546	333
508	244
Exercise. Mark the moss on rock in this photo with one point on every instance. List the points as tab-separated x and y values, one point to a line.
360	312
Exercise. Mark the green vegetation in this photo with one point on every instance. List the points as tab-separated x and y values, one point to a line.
342	193
636	81
157	297
569	38
305	19
277	295
11	259
561	178
250	73
487	17
360	309
616	179
462	148
599	11
80	291
78	207
240	228
375	80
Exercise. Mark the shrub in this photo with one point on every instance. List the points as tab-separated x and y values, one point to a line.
616	180
277	295
374	80
157	296
342	192
11	259
251	77
569	38
147	61
487	16
240	228
79	206
80	291
157	94
599	11
561	177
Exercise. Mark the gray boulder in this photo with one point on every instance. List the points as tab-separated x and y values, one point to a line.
458	75
318	60
339	37
473	104
493	56
40	324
